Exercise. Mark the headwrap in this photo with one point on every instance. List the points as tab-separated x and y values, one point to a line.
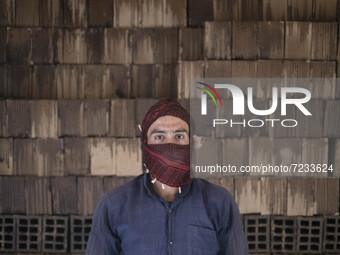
168	163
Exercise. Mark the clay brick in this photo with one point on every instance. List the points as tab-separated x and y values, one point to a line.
114	182
244	42
300	10
7	13
142	106
188	70
327	195
44	82
100	13
90	189
273	196
102	156
44	118
51	13
18	45
43	45
243	69
332	119
150	13
95	45
268	69
217	69
235	153
76	157
324	72
49	157
64	195
274	10
301	198
117	82
323	41
261	151
72	47
116	46
71	118
174	13
3	38
165	81
70	82
19	81
298	40
75	13
248	195
199	12
25	157
140	82
125	13
38	196
295	69
6	156
190	44
128	157
270	40
3	119
311	126
325	10
223	10
27	13
12	195
287	151
217	40
19	118
3	79
96	114
95	78
122	127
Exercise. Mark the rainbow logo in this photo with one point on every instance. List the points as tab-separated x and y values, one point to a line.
209	93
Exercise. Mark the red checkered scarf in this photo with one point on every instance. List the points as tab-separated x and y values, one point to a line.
168	163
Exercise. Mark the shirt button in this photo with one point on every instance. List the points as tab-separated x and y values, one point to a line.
171	243
170	211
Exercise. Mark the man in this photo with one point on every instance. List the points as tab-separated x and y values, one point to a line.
164	211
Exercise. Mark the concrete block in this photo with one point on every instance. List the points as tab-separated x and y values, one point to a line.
244	43
113	182
75	13
6	156
150	13
165	79
223	10
3	81
117	82
3	119
43	45
125	13
7	234
256	125
28	233
51	13
332	119
325	87
188	70
27	13
70	81
217	69
55	234
283	234
80	231
44	118
19	118
274	10
270	40
324	42
7	13
12	195
190	44
102	156
142	76
24	157
96	116
298	40
315	151
248	195
116	46
19	81
126	126
38	196
44	82
49	157
268	69
128	157
235	152
100	14
64	195
95	45
71	118
18	45
261	152
301	10
309	236
3	39
90	189
295	69
72	46
95	77
174	13
77	156
287	151
334	159
142	106
273	196
243	69
331	234
327	195
325	10
217	40
199	12
257	231
280	131
311	126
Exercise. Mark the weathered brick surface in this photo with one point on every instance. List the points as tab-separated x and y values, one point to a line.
64	195
199	12
287	151
18	45
38	196
243	69
100	13
190	44
261	128
7	12
43	45
298	40
76	158
75	13
311	126
123	127
299	10
165	81
44	82
3	81
114	182
332	118
150	13
174	13
141	82
324	87
334	159
217	40
95	45
117	83
6	156
323	41
116	46
70	81
270	40
71	118
129	153
268	69
27	13
296	69
90	189
24	157
217	69
72	47
188	70
102	156
96	82
12	195
274	10
51	13
19	118
327	195
261	151
275	201
3	38
244	43
315	151
19	84
96	117
125	13
235	152
248	195
142	106
44	118
49	157
3	119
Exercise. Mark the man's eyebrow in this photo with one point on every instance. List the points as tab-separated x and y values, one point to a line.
155	131
181	130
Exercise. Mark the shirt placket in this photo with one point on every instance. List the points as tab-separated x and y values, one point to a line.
170	230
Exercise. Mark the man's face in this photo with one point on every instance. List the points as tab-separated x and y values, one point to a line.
168	129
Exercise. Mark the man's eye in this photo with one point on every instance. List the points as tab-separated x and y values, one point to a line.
179	136
159	137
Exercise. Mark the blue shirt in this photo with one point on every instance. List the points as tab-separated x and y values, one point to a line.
203	219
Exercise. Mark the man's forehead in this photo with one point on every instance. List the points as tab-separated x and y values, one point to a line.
168	123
